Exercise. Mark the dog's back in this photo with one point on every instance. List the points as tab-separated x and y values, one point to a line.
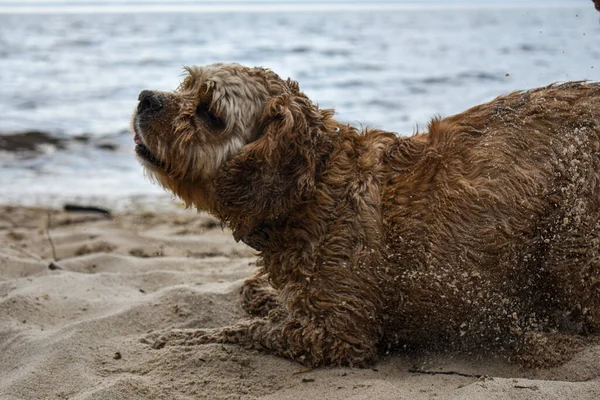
492	219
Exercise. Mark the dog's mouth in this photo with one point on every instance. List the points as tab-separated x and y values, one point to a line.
143	152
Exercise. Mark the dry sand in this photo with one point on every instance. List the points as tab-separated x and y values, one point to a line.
73	330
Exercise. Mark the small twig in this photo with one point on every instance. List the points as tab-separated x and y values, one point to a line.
304	371
27	253
532	387
50	238
421	371
89	209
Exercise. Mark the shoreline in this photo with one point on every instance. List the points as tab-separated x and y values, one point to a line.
42	168
125	204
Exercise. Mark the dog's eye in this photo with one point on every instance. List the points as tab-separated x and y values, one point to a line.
208	117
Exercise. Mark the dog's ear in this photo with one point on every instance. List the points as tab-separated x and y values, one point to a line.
276	172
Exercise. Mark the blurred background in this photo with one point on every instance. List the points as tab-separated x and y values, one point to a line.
70	71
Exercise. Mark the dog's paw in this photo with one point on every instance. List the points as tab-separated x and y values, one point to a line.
179	337
258	298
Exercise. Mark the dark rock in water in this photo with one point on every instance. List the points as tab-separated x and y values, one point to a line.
29	141
107	146
81	138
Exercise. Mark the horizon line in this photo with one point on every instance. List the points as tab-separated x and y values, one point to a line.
270	7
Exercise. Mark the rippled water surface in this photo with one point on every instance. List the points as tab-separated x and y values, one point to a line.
72	74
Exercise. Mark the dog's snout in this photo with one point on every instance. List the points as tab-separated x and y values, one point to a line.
149	101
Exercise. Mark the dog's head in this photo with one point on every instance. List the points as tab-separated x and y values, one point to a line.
237	141
189	133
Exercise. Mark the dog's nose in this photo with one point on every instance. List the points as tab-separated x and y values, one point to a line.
149	101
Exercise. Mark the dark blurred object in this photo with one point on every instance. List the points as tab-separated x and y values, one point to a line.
29	141
88	209
597	4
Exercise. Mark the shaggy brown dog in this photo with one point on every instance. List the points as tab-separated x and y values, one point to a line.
481	233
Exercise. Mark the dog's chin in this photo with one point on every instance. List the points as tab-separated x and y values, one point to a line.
146	157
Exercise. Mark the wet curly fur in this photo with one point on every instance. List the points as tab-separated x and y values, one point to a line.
480	234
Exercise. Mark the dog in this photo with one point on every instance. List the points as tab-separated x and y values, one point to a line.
480	234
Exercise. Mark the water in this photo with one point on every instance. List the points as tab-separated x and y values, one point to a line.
70	73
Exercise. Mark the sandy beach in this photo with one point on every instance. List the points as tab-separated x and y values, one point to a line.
80	291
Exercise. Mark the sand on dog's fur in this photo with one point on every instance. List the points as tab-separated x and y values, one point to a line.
73	333
479	233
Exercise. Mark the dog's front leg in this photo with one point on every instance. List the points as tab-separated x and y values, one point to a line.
308	340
